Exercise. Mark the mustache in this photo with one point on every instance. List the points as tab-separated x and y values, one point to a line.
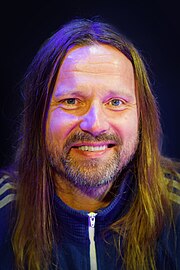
87	137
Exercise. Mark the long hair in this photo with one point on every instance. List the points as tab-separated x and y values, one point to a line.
33	235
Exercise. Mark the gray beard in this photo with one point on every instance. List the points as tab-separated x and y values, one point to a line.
95	173
91	174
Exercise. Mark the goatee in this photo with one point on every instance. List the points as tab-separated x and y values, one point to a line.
91	173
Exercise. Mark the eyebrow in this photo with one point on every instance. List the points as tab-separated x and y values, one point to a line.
124	93
73	92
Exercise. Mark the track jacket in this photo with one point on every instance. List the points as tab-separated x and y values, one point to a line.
83	239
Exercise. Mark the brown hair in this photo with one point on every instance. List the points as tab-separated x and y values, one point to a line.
34	229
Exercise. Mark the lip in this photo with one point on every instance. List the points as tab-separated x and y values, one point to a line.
94	144
89	154
92	154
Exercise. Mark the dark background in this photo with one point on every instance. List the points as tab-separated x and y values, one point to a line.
153	27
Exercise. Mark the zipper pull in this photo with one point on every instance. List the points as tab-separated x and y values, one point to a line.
92	219
92	247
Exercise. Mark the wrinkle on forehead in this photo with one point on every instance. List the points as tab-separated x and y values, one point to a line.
95	58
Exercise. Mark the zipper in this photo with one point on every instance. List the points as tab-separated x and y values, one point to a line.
91	228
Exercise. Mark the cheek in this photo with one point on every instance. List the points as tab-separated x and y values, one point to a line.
60	124
127	126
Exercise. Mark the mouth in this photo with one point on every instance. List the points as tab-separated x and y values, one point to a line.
92	147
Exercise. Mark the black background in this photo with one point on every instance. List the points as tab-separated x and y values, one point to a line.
153	27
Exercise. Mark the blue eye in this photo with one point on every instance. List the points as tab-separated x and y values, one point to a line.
116	102
71	101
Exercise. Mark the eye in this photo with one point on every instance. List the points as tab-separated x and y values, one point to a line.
70	103
115	102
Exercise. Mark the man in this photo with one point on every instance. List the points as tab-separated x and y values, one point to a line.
89	188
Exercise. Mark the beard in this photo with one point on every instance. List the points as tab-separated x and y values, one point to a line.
90	173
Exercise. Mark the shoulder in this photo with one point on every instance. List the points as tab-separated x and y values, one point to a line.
172	180
173	186
7	191
168	244
7	203
7	209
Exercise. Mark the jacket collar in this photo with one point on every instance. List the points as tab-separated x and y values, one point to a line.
74	223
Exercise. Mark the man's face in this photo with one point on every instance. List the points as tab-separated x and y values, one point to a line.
92	125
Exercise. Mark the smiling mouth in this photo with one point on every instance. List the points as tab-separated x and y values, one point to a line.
91	148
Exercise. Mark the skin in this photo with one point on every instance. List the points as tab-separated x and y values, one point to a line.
94	96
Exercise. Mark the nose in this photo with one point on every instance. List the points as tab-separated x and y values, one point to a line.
95	121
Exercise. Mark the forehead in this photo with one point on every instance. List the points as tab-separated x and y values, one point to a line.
98	57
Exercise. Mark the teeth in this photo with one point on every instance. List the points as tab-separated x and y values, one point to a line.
92	148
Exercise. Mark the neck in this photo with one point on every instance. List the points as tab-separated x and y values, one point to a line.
90	199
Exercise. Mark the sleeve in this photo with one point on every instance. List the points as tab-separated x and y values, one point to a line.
7	199
168	246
